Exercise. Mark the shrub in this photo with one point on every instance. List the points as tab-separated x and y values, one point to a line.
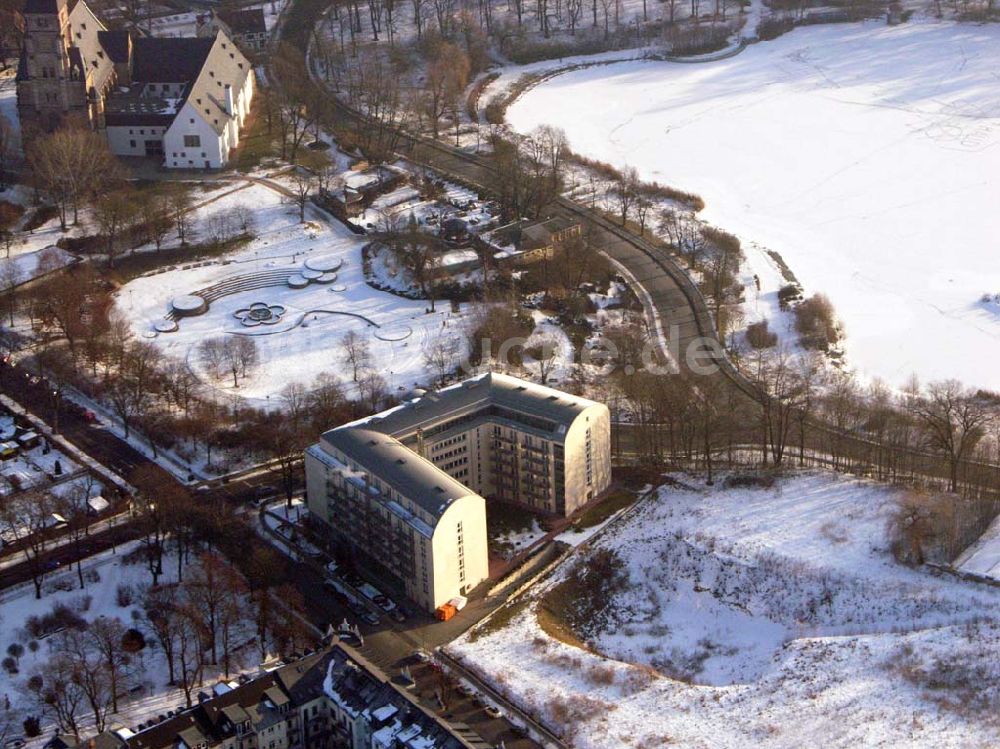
749	480
40	216
82	603
760	336
33	646
32	725
83	245
601	675
816	323
60	617
9	214
15	650
772	27
788	294
133	641
9	665
124	595
721	240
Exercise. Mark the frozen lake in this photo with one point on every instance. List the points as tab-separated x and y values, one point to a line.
866	155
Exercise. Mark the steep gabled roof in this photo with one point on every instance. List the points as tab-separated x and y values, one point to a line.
42	6
169	60
244	21
116	44
223	65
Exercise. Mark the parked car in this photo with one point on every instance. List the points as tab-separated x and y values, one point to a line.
465	690
263	493
422	655
385	603
370	617
493	711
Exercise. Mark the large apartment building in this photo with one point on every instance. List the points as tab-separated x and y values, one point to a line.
330	699
404	491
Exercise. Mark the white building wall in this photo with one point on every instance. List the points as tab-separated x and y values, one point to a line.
596	419
121	139
209	154
470	512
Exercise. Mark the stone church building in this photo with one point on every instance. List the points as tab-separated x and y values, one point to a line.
181	101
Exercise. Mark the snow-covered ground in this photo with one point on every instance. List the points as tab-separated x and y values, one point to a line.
764	617
105	574
864	154
983	557
306	341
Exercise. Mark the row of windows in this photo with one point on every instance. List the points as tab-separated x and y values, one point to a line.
450	441
446	467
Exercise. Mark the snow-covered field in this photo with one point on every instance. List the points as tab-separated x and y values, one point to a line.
306	341
761	617
865	155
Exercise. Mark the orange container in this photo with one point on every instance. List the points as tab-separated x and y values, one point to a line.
446	612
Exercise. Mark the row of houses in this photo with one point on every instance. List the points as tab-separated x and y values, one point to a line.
331	699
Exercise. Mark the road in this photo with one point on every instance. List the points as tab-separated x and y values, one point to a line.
391	645
675	307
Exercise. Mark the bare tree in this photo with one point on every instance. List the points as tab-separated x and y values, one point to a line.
155	214
88	672
301	191
373	389
241	356
71	164
180	204
544	354
27	519
159	610
357	352
441	354
57	692
447	77
11	277
116	212
73	505
212	353
132	386
953	420
106	633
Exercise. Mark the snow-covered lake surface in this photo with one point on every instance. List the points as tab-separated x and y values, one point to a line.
865	155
